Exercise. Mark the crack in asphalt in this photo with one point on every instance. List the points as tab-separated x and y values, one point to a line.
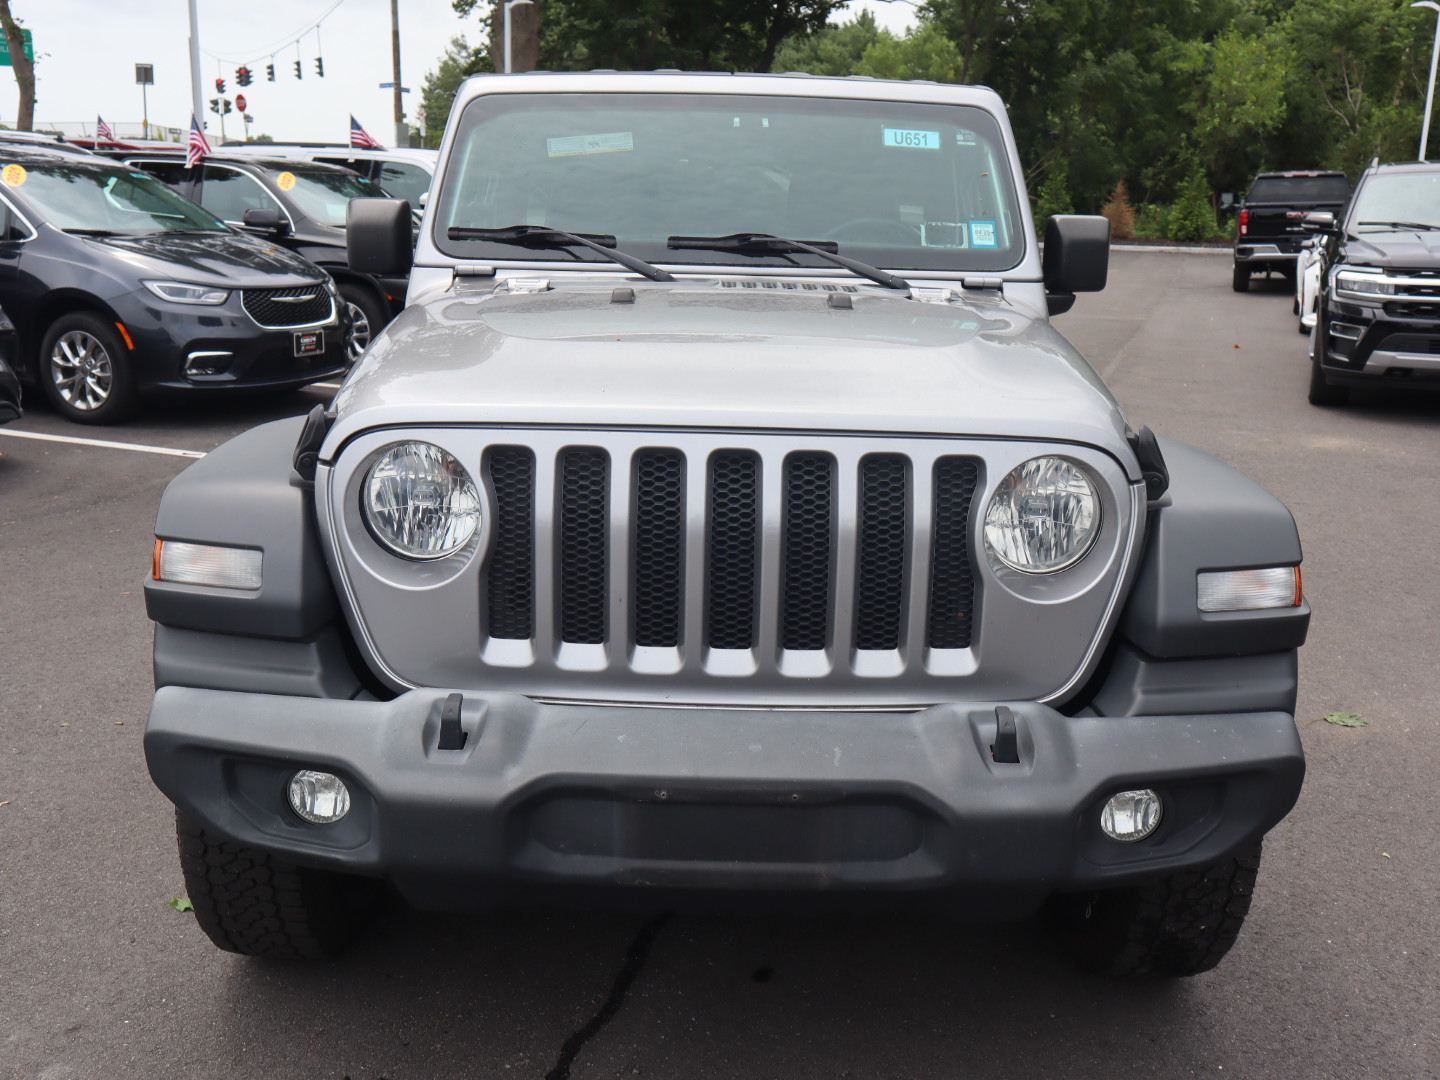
635	957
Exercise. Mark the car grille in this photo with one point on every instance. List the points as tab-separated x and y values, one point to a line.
284	308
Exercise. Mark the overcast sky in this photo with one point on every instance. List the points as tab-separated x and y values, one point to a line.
87	51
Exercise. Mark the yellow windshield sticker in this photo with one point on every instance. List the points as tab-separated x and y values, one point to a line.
286	181
13	175
590	144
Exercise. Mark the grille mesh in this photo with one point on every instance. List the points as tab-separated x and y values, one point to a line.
952	581
805	603
511	577
734	533
659	560
267	308
584	496
880	568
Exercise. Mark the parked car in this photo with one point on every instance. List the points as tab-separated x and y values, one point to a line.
1378	320
707	528
9	382
119	289
1307	283
1268	224
298	204
404	172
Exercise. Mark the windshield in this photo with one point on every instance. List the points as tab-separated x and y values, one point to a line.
1307	189
895	184
324	195
1397	197
85	197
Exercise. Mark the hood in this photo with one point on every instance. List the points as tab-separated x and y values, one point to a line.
1401	248
731	355
231	259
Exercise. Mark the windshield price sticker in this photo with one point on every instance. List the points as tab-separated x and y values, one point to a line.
285	181
13	175
569	145
982	234
914	140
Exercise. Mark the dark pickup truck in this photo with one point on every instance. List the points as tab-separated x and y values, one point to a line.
1268	227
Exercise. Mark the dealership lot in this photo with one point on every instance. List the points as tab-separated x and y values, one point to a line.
1333	977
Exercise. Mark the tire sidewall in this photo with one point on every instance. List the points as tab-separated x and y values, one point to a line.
361	297
122	400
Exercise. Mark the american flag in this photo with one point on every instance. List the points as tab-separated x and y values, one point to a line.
360	137
102	130
198	147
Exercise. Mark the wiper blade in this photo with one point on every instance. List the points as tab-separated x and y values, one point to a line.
767	244
1417	225
541	236
93	232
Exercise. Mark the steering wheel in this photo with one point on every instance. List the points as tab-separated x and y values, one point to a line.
907	233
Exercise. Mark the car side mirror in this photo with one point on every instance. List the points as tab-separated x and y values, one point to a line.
1318	221
1077	258
267	219
379	237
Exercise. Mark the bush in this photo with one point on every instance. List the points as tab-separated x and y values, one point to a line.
1054	196
1120	213
1192	217
1152	222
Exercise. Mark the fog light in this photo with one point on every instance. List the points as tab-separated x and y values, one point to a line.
321	798
1131	815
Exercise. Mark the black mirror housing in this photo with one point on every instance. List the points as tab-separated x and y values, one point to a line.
1076	259
269	220
379	237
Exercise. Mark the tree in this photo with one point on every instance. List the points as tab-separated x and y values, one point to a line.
438	95
24	68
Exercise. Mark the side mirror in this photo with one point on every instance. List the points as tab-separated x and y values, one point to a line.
379	237
1227	201
424	198
1318	221
269	220
1076	259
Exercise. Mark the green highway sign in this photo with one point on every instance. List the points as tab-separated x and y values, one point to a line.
5	49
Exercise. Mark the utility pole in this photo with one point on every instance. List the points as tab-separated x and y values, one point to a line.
197	99
402	137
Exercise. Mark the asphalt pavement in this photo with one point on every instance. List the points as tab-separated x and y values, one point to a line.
1334	976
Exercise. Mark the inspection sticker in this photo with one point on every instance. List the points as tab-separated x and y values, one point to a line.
915	140
13	175
982	234
569	145
285	181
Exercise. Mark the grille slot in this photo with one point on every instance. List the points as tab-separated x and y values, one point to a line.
583	503
281	308
511	575
809	522
659	547
734	549
952	579
884	537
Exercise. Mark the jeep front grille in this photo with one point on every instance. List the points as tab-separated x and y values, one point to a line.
279	309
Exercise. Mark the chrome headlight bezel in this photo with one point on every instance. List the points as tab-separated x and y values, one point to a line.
184	292
1045	494
1361	283
418	501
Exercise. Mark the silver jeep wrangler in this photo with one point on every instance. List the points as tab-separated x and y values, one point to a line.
723	519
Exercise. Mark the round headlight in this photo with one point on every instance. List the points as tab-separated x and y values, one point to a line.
1043	517
419	501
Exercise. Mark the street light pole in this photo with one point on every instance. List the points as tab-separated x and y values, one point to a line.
1430	91
508	36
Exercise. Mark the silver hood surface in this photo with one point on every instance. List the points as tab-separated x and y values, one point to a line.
742	354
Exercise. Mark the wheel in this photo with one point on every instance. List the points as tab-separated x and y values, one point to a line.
1321	391
907	234
85	370
1180	925
1241	280
366	318
252	903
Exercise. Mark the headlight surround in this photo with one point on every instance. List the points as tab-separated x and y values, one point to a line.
1043	517
419	502
1350	281
178	292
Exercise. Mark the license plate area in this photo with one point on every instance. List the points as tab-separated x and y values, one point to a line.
309	342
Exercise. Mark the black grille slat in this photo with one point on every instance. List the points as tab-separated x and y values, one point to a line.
733	570
659	547
269	308
583	547
880	552
511	576
809	524
952	578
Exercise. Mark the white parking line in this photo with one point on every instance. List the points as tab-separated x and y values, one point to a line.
140	447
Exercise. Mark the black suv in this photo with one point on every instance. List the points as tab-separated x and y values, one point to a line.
1379	306
299	204
1269	225
119	288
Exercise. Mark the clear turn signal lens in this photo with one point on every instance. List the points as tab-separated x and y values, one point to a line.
1248	590
207	564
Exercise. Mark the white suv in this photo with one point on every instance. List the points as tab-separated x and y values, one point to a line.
404	172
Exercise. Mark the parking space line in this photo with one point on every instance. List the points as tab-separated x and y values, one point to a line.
139	447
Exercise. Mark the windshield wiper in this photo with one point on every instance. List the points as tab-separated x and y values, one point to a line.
1417	225
94	232
766	244
541	236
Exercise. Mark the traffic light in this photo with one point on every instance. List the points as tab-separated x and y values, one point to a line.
215	105
320	66
220	86
298	73
228	106
269	72
242	76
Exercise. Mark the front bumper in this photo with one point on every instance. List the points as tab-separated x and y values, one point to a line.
734	801
1392	341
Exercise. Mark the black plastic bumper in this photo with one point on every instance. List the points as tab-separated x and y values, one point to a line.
725	800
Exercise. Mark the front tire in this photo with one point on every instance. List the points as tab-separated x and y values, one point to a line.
252	903
85	370
1322	392
367	318
1175	927
1240	280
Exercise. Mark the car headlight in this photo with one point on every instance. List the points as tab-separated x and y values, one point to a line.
180	293
419	501
1362	283
1043	517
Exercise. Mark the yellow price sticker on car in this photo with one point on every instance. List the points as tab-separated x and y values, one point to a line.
286	180
13	175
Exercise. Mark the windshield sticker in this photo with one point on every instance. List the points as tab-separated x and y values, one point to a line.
13	175
965	137
569	145
285	181
942	234
914	140
982	234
